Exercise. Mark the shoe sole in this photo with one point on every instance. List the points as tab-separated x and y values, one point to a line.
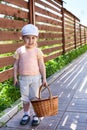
36	124
24	122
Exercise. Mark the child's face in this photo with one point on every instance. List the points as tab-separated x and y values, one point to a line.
30	41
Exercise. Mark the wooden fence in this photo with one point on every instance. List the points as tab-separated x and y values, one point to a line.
60	30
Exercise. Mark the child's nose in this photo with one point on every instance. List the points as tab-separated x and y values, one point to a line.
30	41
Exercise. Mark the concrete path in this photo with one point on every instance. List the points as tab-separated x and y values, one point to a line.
70	84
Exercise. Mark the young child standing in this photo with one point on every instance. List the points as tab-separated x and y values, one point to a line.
29	64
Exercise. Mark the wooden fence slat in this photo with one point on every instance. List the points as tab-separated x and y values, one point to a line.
69	49
6	75
69	26
11	11
6	61
50	35
49	43
53	49
49	28
48	6
11	24
20	3
47	13
53	3
68	22
7	48
48	20
69	18
9	35
52	56
69	40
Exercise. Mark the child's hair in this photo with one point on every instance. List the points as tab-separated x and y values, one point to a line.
30	29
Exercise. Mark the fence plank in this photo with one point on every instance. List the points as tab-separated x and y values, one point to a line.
9	35
7	48
11	11
48	20
49	43
53	49
55	7
20	3
47	13
49	28
49	35
6	75
11	24
52	56
6	61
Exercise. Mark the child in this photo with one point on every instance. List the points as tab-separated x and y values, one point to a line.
29	63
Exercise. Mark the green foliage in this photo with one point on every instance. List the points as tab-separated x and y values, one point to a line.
54	65
8	94
51	67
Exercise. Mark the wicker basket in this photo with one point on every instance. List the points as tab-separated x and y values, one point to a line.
47	106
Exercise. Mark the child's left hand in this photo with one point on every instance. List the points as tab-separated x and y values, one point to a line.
44	83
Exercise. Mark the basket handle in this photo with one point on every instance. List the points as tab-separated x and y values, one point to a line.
48	90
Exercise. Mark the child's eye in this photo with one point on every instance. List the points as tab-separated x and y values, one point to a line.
27	37
33	37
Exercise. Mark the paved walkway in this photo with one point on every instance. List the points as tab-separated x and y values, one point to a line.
70	85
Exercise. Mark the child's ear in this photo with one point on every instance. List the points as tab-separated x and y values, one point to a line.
21	38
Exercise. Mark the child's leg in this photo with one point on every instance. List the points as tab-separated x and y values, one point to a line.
34	89
26	107
26	117
24	89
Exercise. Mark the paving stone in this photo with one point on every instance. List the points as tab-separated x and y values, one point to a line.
73	121
78	105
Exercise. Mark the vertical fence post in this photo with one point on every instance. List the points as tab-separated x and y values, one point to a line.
63	30
84	36
32	11
75	31
80	34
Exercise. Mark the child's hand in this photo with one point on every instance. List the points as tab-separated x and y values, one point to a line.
17	85
44	83
15	81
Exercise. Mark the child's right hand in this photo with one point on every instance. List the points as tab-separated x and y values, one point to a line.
17	85
15	81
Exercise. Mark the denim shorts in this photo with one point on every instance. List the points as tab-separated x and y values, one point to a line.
29	87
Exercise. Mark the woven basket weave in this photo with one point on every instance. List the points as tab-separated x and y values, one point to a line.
47	106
